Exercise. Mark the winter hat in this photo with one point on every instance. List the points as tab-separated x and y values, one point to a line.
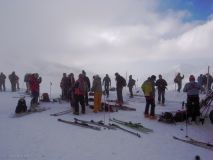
153	77
191	78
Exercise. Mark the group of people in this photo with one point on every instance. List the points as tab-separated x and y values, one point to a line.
76	90
14	80
192	88
148	88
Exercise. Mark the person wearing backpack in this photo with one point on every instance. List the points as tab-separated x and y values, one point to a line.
148	87
107	84
131	83
34	82
79	92
161	86
192	89
120	83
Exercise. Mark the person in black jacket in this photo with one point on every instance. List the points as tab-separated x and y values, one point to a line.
2	81
87	87
161	86
120	83
107	84
131	83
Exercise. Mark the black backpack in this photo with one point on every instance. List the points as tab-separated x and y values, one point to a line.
21	106
180	116
167	117
123	82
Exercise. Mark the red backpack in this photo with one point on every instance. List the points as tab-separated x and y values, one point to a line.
45	97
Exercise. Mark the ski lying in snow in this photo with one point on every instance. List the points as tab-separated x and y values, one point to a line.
30	112
136	126
84	125
195	142
61	113
119	107
99	123
126	130
124	108
208	144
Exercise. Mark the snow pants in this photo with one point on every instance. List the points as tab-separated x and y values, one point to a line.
97	101
150	101
119	95
193	107
161	96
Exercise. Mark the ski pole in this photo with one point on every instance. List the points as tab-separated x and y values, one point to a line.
186	121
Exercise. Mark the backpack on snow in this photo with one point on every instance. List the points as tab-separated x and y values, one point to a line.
180	116
45	97
21	106
167	117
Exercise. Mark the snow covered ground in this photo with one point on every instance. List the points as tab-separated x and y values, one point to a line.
39	136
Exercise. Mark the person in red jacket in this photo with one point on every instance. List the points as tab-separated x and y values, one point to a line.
79	93
34	81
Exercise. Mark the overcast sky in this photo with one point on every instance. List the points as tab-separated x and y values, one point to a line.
105	36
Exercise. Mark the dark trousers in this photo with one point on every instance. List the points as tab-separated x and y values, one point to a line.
34	99
130	91
193	107
150	101
2	84
13	86
106	87
119	94
161	96
86	100
179	86
79	99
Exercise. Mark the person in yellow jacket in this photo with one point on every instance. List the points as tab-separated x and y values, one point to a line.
97	89
148	88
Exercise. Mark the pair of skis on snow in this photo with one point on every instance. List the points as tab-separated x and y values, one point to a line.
87	124
97	125
195	142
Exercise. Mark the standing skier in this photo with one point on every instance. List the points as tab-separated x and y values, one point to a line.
2	82
13	80
178	79
120	83
131	83
192	88
34	82
87	87
107	84
97	89
148	88
161	86
79	92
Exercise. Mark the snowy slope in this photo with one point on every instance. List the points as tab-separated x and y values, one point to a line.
39	136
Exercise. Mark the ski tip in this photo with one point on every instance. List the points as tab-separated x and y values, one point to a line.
59	119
